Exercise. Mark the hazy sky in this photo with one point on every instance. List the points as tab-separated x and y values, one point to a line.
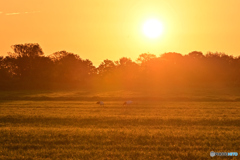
111	29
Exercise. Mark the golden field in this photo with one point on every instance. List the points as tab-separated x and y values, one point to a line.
72	129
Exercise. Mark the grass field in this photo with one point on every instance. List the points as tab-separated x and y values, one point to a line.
145	130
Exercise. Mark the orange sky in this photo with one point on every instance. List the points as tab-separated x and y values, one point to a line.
109	29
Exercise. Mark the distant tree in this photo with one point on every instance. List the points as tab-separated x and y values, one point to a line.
145	57
24	59
59	55
70	69
126	61
28	67
91	69
26	50
172	56
126	73
196	54
4	73
106	66
221	68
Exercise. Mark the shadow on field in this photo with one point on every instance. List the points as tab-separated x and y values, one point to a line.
106	122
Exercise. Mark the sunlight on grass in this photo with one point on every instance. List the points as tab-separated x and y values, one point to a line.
84	130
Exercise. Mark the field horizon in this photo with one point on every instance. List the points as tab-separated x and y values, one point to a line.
165	94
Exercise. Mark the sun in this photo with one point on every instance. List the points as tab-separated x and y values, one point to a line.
152	28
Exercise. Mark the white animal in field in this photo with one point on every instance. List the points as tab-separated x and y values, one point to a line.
100	103
127	102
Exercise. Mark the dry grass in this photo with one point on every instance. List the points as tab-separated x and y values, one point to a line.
147	130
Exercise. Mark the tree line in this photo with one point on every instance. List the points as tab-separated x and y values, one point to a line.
28	68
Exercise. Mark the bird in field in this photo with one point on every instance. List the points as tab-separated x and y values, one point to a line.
127	102
100	103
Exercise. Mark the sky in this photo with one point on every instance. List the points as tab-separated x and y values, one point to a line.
111	29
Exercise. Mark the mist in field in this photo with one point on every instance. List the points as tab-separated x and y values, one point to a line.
211	75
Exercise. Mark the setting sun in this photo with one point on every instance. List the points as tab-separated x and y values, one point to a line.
152	28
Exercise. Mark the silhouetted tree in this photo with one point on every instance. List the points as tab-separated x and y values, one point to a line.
144	57
26	50
28	68
70	69
5	75
106	66
172	57
126	73
196	54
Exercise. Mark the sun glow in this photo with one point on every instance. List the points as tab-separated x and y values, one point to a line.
152	28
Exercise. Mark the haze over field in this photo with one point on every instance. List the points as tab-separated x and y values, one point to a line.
27	68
